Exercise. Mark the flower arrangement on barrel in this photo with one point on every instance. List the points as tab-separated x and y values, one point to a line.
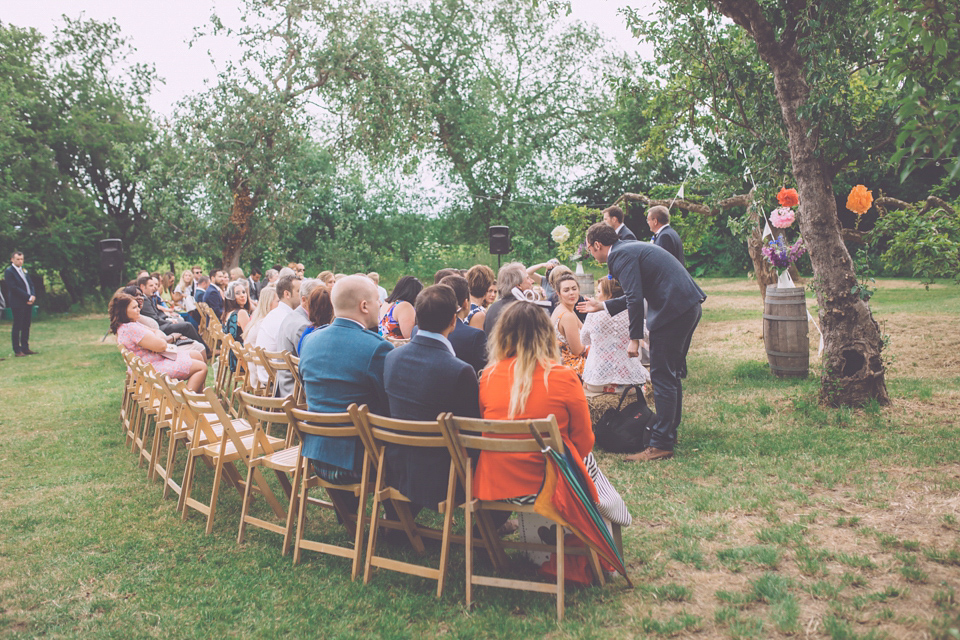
778	252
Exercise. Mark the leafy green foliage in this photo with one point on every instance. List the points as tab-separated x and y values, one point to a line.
923	245
577	220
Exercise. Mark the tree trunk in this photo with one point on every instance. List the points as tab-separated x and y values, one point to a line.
238	226
853	370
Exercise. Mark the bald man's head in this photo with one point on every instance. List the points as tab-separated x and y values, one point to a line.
356	297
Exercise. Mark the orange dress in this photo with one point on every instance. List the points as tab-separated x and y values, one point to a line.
510	475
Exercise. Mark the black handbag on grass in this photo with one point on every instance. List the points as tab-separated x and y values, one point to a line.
625	429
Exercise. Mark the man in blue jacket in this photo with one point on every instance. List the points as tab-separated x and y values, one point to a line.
340	365
22	296
647	272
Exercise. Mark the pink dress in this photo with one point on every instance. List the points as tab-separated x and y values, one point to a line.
131	333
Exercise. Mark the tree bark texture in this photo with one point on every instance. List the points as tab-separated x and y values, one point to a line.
238	225
853	370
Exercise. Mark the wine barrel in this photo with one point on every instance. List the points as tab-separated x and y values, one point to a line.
785	331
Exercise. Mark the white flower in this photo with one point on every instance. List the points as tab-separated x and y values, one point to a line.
560	234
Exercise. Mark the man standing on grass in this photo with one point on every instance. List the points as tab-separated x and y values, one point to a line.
613	218
658	219
647	272
22	296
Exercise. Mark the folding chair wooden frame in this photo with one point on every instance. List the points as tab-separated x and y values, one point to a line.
221	453
262	412
487	435
330	425
380	431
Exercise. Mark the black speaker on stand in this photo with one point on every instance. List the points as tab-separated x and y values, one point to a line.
111	264
499	242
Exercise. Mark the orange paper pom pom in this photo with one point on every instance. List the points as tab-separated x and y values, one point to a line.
859	200
788	198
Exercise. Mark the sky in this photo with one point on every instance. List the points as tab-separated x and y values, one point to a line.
160	31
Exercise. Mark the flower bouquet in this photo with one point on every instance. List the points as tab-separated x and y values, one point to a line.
560	234
781	255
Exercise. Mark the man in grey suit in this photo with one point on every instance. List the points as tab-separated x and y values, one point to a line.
424	379
658	219
647	272
613	218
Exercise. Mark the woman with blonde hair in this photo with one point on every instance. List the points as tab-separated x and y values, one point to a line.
182	294
268	302
525	381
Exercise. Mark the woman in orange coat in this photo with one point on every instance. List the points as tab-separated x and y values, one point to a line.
525	380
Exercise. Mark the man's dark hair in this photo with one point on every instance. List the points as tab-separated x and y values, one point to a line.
436	307
443	273
602	233
460	287
133	291
15	254
142	280
214	272
614	212
659	213
255	271
286	284
203	279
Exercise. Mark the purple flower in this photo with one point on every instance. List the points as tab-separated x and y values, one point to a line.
780	254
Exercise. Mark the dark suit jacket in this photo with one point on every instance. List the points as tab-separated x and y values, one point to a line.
198	294
646	271
341	365
422	380
150	310
494	311
669	239
214	300
626	234
19	290
469	343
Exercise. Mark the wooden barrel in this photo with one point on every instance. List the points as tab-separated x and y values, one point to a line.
785	331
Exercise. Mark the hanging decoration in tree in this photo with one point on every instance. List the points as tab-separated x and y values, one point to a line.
778	252
788	197
860	200
782	217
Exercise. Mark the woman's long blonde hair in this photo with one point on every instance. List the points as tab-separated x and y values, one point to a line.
267	296
523	330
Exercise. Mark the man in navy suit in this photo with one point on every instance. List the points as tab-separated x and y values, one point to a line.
658	219
341	365
22	296
613	218
647	272
469	343
424	379
213	296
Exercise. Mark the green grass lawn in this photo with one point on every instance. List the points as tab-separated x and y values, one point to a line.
777	517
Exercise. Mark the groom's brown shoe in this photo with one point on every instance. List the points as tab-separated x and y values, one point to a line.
650	453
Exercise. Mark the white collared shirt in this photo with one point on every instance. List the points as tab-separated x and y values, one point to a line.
23	276
268	334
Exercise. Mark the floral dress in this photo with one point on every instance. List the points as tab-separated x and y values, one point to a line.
389	326
131	333
566	356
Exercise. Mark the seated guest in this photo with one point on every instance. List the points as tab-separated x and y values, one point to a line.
165	291
525	380
544	280
572	352
201	283
327	278
268	302
150	346
608	368
214	293
153	325
197	271
373	275
469	344
443	273
342	365
183	293
288	335
483	283
236	314
320	312
288	294
555	273
253	284
169	323
422	380
271	276
397	314
512	276
236	274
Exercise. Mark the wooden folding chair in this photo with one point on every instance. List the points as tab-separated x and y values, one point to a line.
128	402
330	425
204	311
150	405
381	431
165	408
488	435
298	395
221	454
262	413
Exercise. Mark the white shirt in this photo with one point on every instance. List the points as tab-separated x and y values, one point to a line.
23	277
269	333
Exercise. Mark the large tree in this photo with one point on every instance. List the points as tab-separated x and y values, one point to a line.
792	86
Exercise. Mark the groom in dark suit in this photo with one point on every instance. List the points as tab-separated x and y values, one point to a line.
22	297
424	379
647	272
658	219
613	218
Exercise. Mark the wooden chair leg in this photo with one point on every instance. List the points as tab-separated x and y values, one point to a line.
292	508
447	526
246	504
468	521
214	495
361	522
561	571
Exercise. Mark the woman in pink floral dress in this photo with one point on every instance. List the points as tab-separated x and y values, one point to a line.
150	346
